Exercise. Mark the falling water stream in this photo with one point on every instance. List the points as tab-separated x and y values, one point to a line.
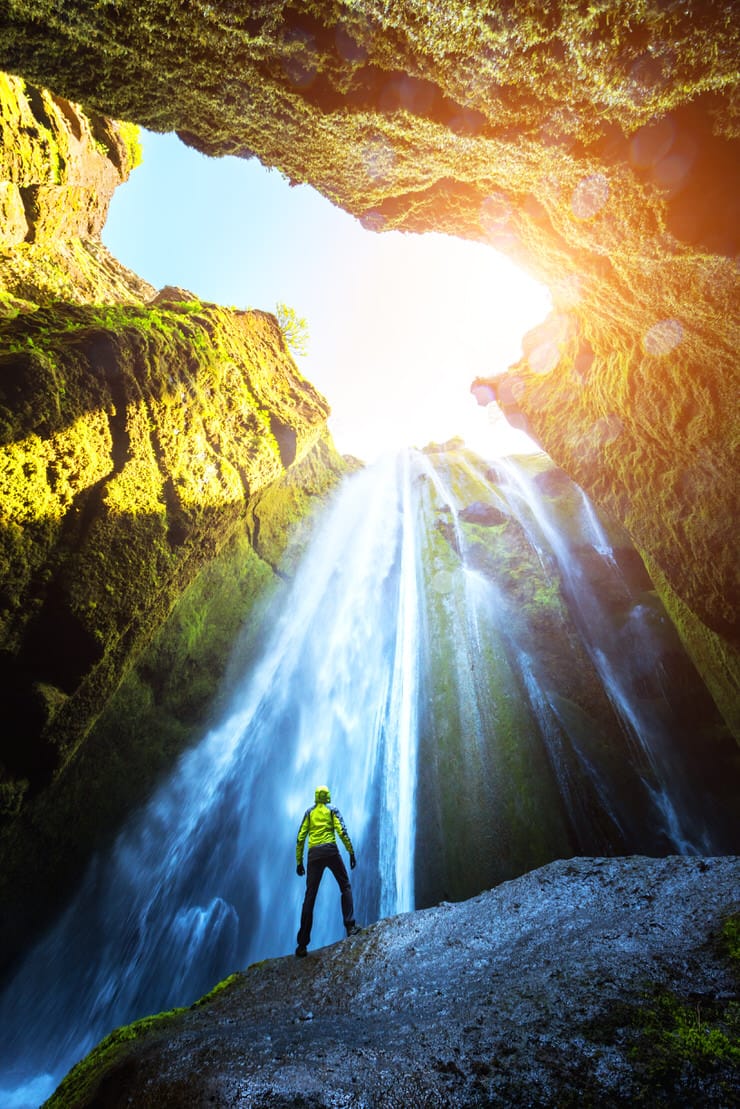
389	631
664	779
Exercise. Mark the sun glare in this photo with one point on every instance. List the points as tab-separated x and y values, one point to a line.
399	324
429	315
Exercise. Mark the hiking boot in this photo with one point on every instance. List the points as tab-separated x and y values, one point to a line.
300	952
353	930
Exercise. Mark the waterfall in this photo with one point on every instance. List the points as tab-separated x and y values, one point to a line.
460	659
202	880
399	778
664	779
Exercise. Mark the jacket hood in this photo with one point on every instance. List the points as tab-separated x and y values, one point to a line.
322	795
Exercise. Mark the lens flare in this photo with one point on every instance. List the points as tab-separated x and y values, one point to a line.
663	337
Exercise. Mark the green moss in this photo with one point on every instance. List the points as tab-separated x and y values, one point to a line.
169	467
682	1033
79	1087
716	658
683	1050
81	1084
478	736
220	988
730	940
61	169
281	518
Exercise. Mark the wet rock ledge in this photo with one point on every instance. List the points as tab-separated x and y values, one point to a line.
587	982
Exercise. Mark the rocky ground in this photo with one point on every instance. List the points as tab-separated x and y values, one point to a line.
588	982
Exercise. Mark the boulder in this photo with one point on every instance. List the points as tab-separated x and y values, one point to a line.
589	981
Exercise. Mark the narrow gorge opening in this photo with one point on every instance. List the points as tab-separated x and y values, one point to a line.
398	324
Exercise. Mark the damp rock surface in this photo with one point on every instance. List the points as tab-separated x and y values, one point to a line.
561	987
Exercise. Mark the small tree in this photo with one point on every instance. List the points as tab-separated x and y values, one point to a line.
294	328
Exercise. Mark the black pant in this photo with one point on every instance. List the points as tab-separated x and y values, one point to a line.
319	858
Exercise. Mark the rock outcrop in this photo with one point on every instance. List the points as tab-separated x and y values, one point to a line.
588	982
133	441
597	145
59	167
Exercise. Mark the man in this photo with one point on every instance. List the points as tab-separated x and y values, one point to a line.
320	824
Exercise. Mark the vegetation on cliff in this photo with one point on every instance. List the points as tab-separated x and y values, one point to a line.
503	778
58	170
293	327
134	442
133	439
519	658
640	412
157	457
172	690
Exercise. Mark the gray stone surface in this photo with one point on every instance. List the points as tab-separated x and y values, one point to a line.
525	995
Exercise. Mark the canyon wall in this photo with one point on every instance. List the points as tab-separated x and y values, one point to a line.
59	167
155	452
596	145
134	439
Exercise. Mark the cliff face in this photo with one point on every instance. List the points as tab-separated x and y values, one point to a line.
153	449
132	441
523	752
59	168
596	146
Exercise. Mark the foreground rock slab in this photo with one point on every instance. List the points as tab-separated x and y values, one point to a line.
570	985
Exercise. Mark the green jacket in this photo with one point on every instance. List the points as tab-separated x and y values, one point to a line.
321	824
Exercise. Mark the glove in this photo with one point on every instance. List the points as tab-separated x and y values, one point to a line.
300	870
352	862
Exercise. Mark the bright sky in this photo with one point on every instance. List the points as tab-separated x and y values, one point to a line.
399	324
